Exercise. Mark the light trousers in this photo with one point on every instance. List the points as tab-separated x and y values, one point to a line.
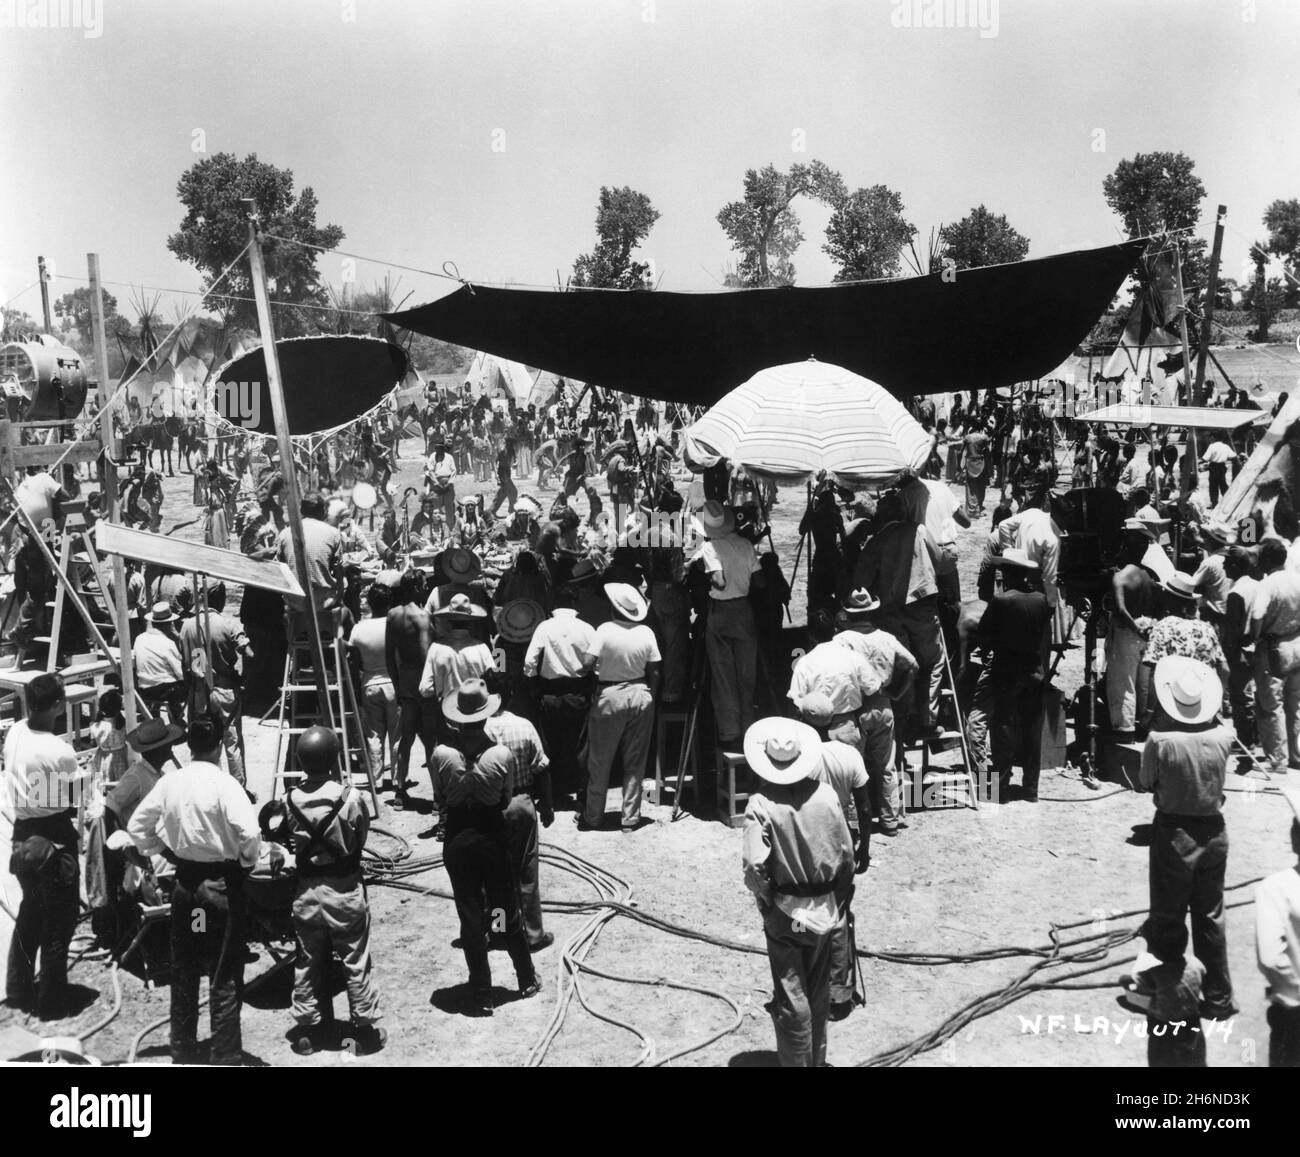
620	723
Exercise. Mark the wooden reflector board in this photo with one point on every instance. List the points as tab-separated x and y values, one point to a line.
196	558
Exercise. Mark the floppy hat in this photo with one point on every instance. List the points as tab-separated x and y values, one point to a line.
715	518
162	612
1180	585
1221	532
154	733
471	702
460	606
1142	526
860	602
461	565
627	600
1187	689
782	750
1014	556
816	708
518	619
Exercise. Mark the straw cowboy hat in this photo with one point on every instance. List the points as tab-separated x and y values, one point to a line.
154	733
518	619
471	703
715	519
1221	532
1142	526
461	606
1187	689
782	750
162	612
627	601
817	709
1014	556
860	602
461	565
1180	585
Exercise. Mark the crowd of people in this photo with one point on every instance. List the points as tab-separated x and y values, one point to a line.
531	650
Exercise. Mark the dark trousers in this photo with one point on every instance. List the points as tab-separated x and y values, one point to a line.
523	839
1015	731
562	709
1218	480
416	716
506	489
478	864
1283	1037
1189	855
47	918
801	990
169	695
207	937
1176	1045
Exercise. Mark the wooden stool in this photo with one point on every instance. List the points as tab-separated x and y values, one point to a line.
673	722
733	787
79	710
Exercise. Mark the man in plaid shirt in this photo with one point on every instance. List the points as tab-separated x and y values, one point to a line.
530	788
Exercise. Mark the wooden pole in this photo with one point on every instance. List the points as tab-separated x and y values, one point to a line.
1190	454
289	466
43	276
1207	314
108	485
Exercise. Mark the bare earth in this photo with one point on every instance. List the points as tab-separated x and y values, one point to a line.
957	881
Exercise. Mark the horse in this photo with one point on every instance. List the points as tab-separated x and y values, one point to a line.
190	441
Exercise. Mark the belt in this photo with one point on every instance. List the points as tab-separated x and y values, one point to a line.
204	869
804	889
564	684
620	682
1175	819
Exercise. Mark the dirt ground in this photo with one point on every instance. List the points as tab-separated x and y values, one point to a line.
958	881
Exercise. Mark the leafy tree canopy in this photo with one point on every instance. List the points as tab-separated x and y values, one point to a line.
982	238
623	219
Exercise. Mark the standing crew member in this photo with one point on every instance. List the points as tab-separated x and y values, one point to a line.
798	862
228	644
1277	942
43	785
203	819
1184	763
328	823
472	775
626	662
731	636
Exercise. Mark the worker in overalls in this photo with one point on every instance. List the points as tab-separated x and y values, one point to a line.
328	823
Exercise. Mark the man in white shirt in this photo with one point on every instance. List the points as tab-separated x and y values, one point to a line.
439	480
556	662
43	790
1277	943
840	674
159	675
731	637
202	818
1215	458
625	659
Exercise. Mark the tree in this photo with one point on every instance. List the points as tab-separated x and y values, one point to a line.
74	309
982	238
763	228
866	234
1265	296
215	229
1158	193
1282	220
623	219
16	325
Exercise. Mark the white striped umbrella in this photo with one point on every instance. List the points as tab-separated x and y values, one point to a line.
788	422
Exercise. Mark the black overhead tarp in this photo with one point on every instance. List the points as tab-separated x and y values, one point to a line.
328	381
980	328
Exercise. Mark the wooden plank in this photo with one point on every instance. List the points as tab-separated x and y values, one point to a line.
46	456
1235	502
195	557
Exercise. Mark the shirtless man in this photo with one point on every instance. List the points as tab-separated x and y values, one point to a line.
1134	590
406	645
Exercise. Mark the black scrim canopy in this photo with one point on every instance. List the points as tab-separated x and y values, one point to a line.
980	328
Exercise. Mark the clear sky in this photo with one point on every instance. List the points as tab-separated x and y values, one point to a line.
390	110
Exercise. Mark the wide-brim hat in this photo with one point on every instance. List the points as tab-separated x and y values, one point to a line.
860	602
1221	532
816	708
461	565
715	519
586	568
162	612
470	703
154	733
781	750
1180	585
461	606
627	601
1014	556
1142	526
1188	690
518	619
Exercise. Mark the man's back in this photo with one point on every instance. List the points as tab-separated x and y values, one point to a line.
407	633
1186	769
796	836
